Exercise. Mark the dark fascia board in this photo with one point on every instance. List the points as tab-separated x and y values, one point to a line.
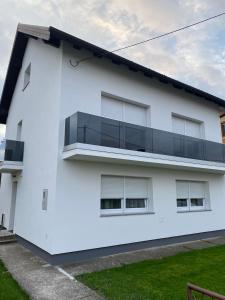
14	67
54	36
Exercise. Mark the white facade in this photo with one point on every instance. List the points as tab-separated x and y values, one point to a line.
71	218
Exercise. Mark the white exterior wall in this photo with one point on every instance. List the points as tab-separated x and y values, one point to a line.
77	213
38	107
78	207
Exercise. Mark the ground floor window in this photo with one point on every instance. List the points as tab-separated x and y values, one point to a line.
192	195
124	195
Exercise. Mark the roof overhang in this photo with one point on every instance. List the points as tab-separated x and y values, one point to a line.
54	37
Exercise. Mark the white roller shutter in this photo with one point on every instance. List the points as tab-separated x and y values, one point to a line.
112	108
136	187
124	111
112	187
197	190
182	190
186	127
193	129
135	114
178	125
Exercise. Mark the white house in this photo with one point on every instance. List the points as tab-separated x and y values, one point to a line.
103	155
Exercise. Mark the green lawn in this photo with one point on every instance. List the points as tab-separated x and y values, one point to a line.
9	288
162	279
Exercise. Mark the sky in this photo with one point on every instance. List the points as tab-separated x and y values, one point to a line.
195	56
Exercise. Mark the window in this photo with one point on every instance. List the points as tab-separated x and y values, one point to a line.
27	76
192	195
125	195
187	127
124	111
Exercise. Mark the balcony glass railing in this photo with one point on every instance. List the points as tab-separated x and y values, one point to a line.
11	150
95	130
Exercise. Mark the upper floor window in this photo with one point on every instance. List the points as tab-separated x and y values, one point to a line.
125	195
27	76
186	126
124	111
192	195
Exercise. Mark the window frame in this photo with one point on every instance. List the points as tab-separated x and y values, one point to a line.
190	207
124	210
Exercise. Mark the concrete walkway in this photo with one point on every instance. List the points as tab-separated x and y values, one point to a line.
40	280
140	255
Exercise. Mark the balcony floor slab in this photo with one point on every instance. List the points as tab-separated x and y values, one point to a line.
10	167
78	151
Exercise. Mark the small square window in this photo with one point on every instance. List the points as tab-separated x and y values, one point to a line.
27	76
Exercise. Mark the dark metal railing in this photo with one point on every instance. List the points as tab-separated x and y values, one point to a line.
95	130
191	288
11	150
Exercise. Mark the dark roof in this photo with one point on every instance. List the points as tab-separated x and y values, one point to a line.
54	37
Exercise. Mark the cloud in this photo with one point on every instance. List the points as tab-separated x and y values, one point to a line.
195	56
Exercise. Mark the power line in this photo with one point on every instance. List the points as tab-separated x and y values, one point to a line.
106	52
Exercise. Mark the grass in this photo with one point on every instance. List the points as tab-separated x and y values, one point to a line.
161	279
9	288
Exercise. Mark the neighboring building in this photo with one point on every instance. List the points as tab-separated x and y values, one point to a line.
105	155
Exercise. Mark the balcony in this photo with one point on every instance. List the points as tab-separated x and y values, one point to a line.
11	156
97	138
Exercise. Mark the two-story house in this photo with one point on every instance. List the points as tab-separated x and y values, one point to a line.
103	155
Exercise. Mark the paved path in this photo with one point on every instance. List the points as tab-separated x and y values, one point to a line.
135	256
40	280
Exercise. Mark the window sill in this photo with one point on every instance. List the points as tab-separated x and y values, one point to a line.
126	214
191	211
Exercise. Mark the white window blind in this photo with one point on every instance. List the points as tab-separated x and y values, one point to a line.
135	114
193	129
178	125
182	190
112	108
136	187
124	111
186	127
112	187
197	190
